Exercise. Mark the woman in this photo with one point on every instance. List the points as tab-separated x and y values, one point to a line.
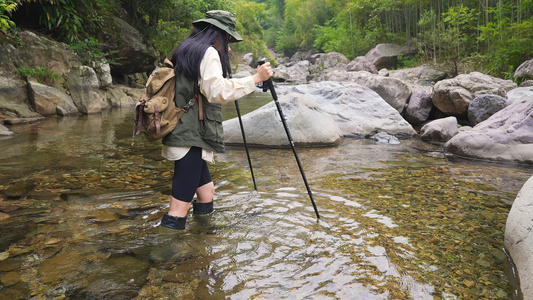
202	68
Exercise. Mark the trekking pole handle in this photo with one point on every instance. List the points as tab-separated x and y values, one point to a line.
260	62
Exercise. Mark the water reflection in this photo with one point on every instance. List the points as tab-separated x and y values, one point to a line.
81	207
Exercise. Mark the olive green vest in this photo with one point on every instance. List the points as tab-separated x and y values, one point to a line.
191	131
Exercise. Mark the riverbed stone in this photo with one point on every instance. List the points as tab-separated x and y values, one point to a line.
4	131
440	130
484	106
308	124
10	278
453	96
358	110
519	237
506	136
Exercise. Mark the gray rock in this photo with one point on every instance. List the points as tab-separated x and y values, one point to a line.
129	49
362	63
484	106
45	100
14	98
386	55
519	237
323	63
418	74
439	130
527	83
117	97
453	96
395	92
83	85
519	93
358	110
384	138
506	136
103	72
296	73
8	61
4	131
308	124
419	107
525	70
39	51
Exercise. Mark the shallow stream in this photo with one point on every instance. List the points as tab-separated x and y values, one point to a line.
80	207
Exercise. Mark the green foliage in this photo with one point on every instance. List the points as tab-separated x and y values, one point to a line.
6	8
41	74
249	16
506	51
89	52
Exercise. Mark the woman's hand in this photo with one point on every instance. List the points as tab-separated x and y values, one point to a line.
264	72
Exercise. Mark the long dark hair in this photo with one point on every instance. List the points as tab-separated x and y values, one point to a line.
188	56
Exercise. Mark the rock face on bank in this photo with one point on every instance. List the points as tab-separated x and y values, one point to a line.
68	87
519	237
505	136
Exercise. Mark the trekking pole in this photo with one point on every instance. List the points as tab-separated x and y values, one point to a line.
270	85
245	143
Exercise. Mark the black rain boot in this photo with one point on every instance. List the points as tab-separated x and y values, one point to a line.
172	222
202	208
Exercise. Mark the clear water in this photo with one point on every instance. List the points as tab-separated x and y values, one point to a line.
81	207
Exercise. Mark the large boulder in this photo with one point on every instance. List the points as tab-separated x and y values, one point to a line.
13	98
519	93
423	75
296	73
39	51
505	136
394	91
519	237
358	110
83	85
419	107
117	97
484	106
453	96
128	48
361	63
525	70
8	61
47	100
386	55
439	130
322	63
308	124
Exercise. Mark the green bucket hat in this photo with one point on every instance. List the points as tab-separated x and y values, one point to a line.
223	20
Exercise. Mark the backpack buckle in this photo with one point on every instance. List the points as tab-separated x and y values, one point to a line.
189	105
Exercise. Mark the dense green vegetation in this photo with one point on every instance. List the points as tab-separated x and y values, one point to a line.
492	36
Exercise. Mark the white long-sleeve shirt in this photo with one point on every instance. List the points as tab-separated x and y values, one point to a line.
216	89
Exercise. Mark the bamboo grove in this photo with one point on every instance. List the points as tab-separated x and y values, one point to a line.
492	36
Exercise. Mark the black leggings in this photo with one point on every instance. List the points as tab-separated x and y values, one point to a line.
190	173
